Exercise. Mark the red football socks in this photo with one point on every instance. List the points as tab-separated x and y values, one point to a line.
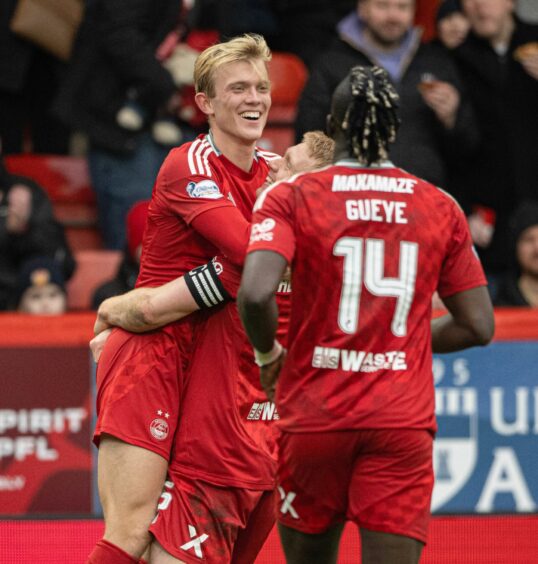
104	552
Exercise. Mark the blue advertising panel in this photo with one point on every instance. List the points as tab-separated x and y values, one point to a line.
486	450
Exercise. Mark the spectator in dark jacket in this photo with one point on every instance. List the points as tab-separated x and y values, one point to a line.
520	287
27	229
130	265
503	88
115	52
437	122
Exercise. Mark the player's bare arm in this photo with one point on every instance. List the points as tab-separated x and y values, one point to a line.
262	274
469	323
144	309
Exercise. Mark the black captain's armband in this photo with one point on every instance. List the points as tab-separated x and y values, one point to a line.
205	286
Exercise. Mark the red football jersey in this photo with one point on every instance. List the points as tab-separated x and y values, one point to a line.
368	248
193	179
225	434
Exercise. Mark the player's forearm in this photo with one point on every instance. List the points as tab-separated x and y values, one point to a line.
260	319
256	297
469	323
129	312
448	335
145	309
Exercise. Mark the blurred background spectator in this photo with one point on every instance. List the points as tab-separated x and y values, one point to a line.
41	288
27	229
29	77
118	50
451	23
302	27
520	286
503	88
127	274
438	125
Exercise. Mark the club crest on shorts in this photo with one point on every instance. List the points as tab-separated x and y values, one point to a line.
159	429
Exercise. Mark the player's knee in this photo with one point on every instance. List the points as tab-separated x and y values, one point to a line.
128	533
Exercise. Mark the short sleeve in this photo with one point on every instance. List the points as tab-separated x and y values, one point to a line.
273	222
186	192
461	269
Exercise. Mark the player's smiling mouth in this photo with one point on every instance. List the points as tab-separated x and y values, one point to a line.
251	116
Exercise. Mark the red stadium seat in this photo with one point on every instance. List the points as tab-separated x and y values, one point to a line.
94	267
66	180
288	75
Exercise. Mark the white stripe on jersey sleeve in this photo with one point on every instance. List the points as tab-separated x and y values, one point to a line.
190	155
198	155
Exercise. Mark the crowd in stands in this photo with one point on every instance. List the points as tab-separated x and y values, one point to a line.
468	108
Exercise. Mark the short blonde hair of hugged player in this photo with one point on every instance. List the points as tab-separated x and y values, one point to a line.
320	147
248	47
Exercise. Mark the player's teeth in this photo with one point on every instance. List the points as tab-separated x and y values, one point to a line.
250	115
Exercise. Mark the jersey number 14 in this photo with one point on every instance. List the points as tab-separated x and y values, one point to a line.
364	262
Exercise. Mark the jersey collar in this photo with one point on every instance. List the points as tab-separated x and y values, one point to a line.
353	163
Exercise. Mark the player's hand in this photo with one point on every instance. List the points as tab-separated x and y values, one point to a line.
269	375
98	342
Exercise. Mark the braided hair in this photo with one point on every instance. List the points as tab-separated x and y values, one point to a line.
368	102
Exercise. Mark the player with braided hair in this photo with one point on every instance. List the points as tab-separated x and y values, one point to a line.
375	123
368	245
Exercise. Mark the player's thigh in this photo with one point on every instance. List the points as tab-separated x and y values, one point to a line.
130	481
314	471
303	548
390	491
251	539
386	548
197	521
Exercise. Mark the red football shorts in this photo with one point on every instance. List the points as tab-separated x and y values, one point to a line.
381	480
199	522
139	385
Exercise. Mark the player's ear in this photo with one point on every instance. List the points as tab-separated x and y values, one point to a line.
204	103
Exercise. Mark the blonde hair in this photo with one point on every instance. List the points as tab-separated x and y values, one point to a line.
320	147
247	47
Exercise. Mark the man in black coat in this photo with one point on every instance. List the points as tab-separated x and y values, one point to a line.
503	88
437	122
116	53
